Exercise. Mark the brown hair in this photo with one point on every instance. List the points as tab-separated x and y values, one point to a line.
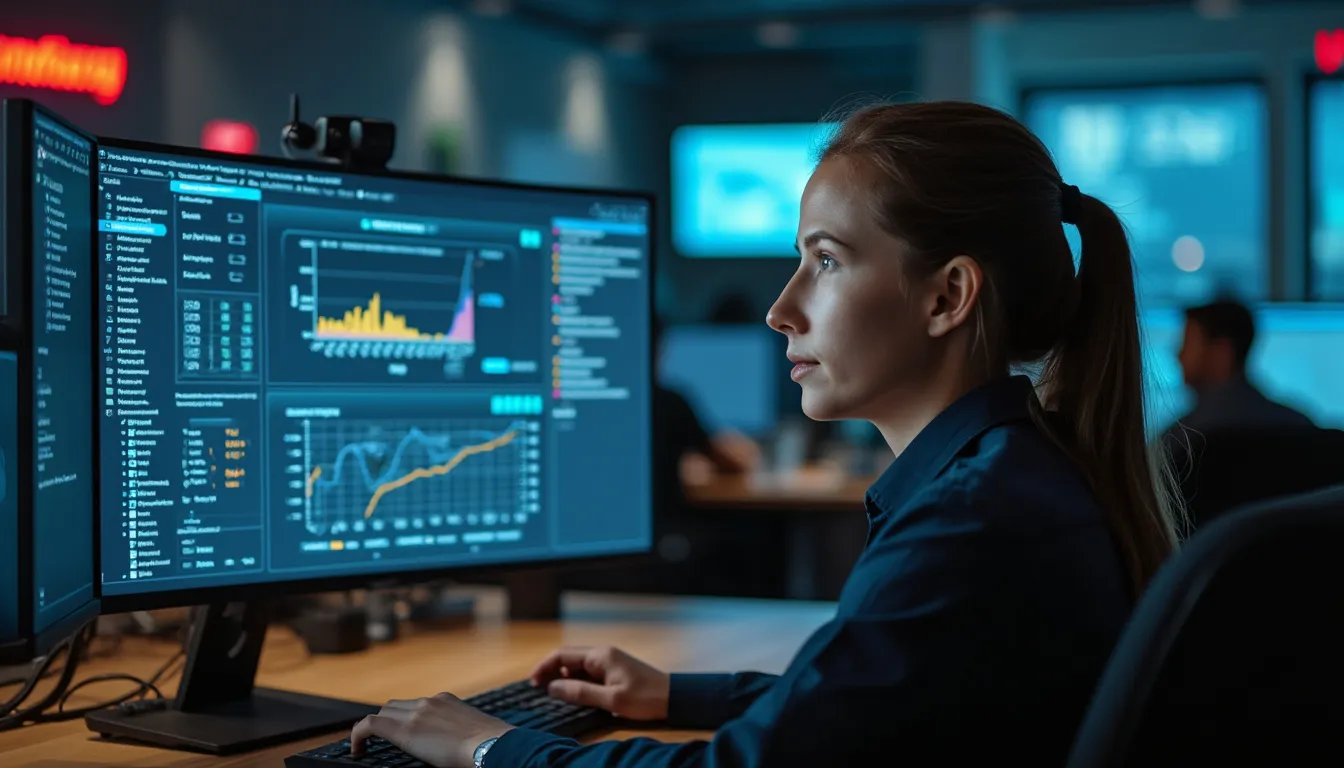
956	178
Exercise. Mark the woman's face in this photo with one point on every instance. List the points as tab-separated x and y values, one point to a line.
857	333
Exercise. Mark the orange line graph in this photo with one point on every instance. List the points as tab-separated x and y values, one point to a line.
434	471
312	478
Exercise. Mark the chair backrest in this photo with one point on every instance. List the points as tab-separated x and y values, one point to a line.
1224	469
1235	654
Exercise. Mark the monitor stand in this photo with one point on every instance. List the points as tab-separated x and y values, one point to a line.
217	708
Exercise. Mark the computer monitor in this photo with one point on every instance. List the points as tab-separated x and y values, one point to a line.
1297	359
736	189
728	373
46	380
314	379
1186	168
1325	172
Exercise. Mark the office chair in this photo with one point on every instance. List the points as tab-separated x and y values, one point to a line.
1224	469
1233	656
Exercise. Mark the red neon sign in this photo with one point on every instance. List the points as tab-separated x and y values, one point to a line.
55	63
1329	50
229	136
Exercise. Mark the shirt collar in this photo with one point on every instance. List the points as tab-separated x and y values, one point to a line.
999	401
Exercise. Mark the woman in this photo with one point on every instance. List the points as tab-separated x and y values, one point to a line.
1011	536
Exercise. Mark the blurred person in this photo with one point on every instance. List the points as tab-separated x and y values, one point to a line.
1011	535
1217	342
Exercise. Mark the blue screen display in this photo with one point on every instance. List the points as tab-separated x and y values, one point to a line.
63	376
736	189
1297	359
322	374
1327	188
729	374
1186	169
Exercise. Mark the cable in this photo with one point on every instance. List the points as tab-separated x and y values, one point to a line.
167	671
74	648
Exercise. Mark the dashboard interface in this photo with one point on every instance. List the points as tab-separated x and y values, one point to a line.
312	373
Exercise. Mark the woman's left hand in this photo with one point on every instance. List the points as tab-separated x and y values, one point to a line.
440	730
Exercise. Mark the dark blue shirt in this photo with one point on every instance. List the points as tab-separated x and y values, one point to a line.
976	622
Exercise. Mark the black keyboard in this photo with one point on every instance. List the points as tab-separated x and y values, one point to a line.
518	704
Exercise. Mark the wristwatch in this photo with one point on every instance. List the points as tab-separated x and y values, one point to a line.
478	757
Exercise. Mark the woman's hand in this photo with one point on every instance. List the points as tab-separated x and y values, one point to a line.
440	730
605	678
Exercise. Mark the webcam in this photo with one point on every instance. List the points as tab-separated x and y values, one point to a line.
358	143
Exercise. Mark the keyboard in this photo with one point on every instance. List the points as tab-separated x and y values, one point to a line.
518	704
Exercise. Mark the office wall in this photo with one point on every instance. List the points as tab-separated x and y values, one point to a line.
139	111
765	87
1272	44
513	101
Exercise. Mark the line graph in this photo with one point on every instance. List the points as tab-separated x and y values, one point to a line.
373	474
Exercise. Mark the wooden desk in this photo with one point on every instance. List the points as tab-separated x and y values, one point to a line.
808	489
684	634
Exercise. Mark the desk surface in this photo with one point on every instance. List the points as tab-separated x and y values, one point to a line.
683	634
809	489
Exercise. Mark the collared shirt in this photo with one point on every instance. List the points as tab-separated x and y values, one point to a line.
976	622
1237	404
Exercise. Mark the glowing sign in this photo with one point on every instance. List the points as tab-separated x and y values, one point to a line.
229	136
1329	50
55	63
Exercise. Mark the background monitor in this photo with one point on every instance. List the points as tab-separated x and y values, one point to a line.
736	189
1326	174
49	257
1186	169
317	378
1297	359
730	374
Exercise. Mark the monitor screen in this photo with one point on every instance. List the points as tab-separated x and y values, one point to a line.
62	371
729	374
1297	359
736	189
1326	203
1186	169
316	374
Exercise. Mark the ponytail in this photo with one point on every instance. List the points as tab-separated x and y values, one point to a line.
1095	380
957	178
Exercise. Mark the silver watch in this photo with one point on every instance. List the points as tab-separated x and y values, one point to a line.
478	757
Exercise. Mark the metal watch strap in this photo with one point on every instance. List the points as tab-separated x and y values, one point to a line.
478	757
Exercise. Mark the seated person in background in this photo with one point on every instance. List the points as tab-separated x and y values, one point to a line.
685	446
1010	537
1213	355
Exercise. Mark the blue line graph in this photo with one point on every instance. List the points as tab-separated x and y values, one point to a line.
394	473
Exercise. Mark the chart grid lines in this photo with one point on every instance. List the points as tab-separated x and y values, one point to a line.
384	474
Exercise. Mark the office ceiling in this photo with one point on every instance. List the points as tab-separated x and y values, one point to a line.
706	27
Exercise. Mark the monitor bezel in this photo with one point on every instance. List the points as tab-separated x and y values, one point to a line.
19	121
1309	84
138	601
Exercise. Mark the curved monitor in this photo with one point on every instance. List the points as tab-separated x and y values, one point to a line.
320	379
